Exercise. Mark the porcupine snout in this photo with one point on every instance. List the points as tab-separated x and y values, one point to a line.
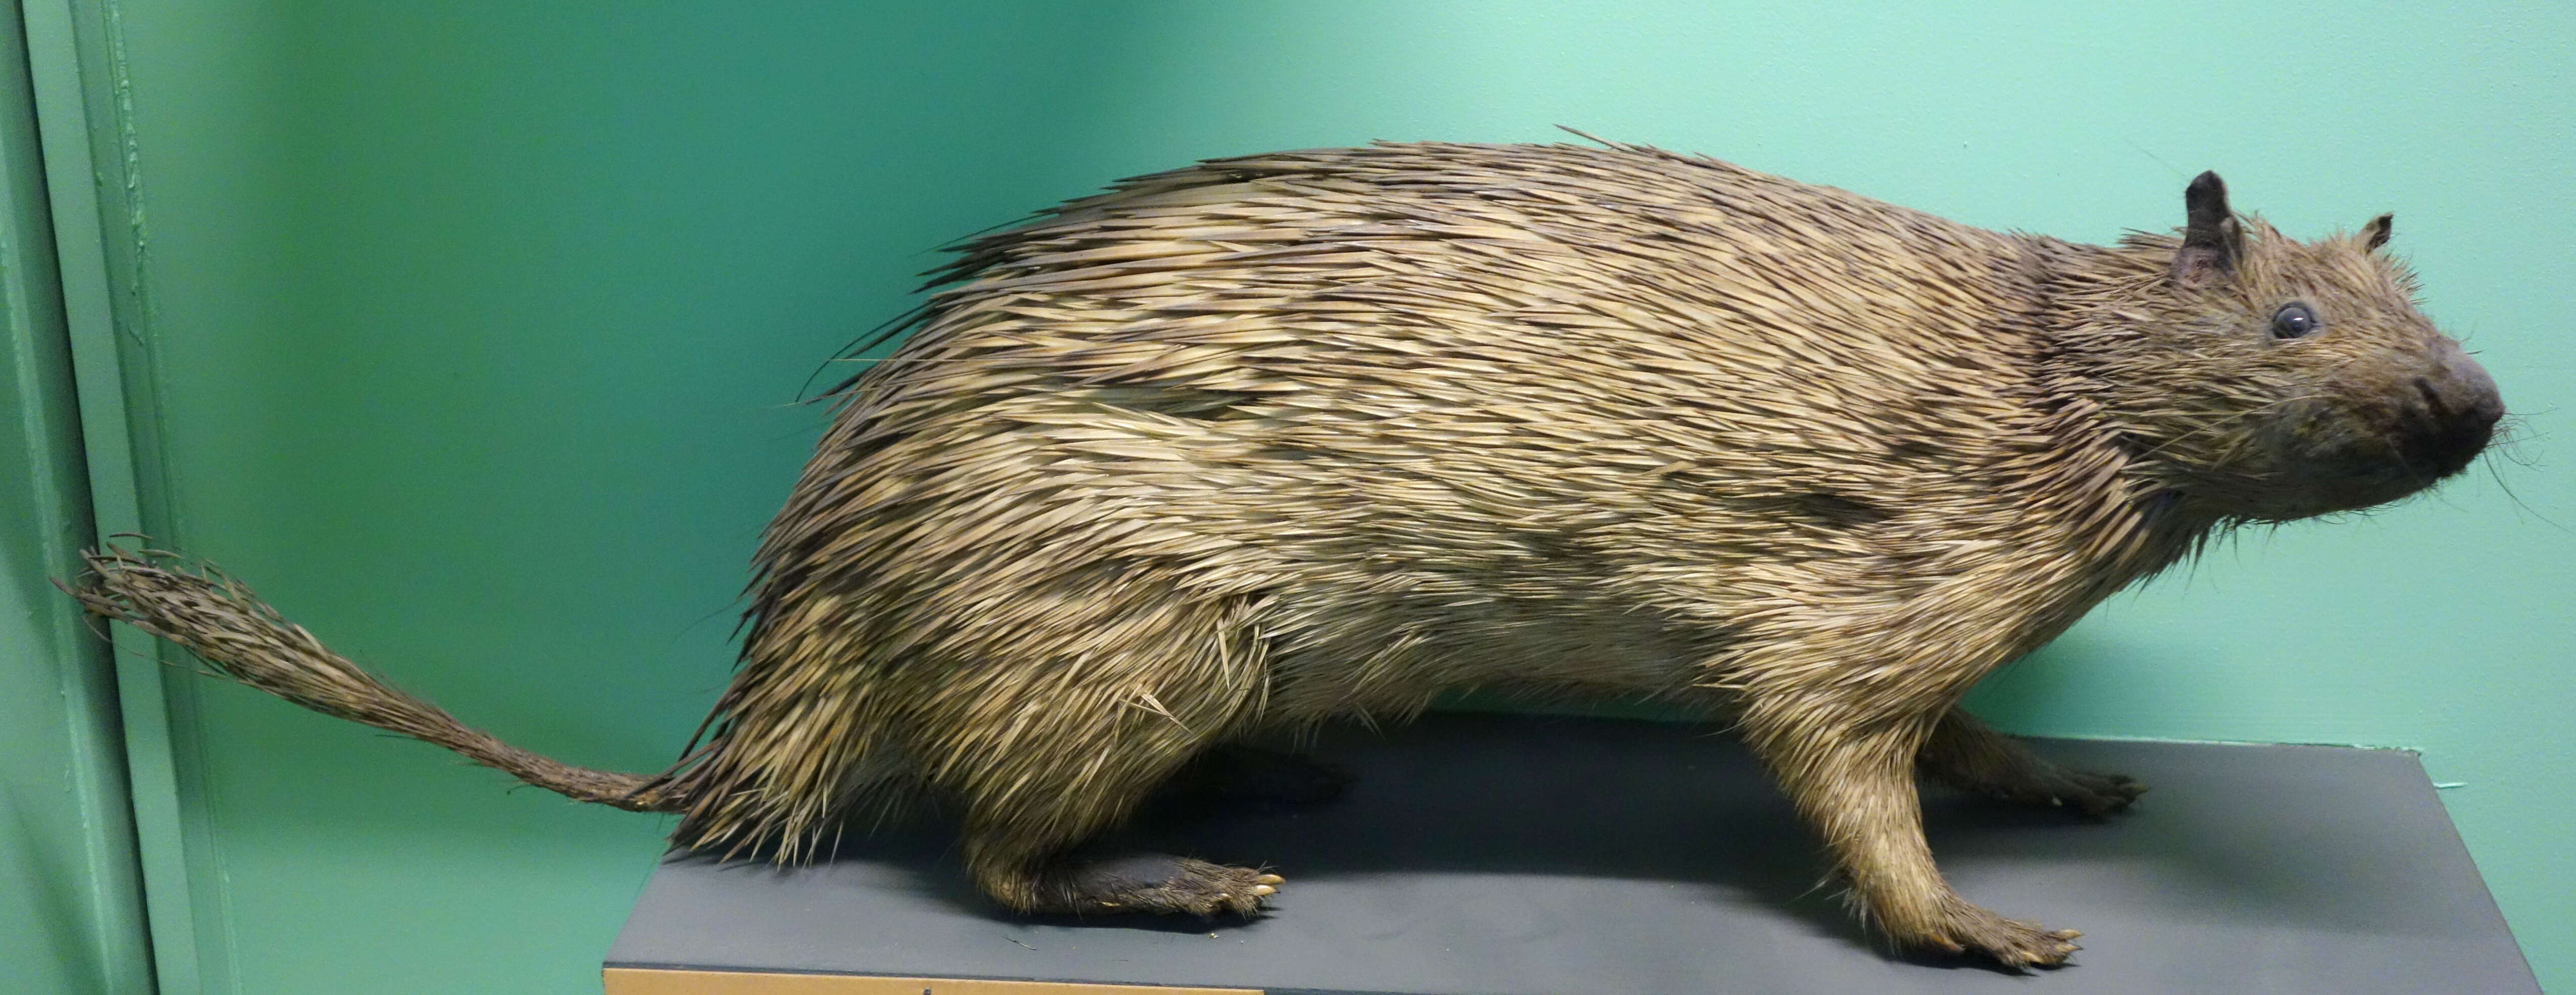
2452	415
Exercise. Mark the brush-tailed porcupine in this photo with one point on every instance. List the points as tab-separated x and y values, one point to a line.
1275	439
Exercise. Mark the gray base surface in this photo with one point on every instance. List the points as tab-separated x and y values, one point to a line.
1509	855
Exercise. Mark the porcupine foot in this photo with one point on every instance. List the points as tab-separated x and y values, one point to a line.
2009	942
1156	883
2087	792
2044	784
1966	755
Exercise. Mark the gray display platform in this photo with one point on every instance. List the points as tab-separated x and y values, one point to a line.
1512	855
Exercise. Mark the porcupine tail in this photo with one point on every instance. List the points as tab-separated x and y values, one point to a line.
220	621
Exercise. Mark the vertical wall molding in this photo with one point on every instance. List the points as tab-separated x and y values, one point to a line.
71	844
84	117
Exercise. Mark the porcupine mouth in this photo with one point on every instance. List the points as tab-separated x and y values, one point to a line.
2397	443
2440	457
2440	439
2418	447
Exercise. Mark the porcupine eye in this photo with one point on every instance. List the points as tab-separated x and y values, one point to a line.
2292	321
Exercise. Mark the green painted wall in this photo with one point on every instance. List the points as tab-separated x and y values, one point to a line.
474	328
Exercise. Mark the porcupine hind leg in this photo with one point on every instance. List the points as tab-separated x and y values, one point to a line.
1964	754
1025	847
1057	734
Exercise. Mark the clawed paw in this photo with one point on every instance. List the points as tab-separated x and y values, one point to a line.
2009	942
2086	792
2100	794
1156	883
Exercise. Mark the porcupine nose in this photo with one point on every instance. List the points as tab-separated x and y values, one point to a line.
2455	413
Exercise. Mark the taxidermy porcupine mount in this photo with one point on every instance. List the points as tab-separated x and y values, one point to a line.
1271	440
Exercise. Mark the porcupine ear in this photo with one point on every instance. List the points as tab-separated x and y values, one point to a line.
2374	232
2212	241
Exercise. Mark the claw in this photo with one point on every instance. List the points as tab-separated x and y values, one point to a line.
1260	890
1270	879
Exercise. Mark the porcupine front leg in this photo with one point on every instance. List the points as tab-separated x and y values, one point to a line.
1850	770
1965	754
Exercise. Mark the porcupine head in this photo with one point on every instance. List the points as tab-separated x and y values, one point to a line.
2267	379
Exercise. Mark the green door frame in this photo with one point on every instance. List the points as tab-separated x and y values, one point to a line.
79	98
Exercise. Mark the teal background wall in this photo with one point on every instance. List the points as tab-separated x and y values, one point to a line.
473	331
